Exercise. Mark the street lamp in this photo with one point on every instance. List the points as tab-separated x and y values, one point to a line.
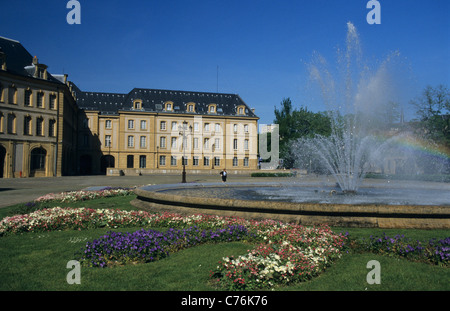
183	129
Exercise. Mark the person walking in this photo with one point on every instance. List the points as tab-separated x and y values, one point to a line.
224	175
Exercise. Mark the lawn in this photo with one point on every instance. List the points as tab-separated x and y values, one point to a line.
36	261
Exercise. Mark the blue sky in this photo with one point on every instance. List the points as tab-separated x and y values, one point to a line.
259	47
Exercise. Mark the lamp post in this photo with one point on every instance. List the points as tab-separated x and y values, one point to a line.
183	129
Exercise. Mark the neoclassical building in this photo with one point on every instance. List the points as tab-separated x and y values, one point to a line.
38	117
147	130
49	127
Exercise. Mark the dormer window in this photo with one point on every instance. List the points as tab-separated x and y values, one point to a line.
212	108
191	107
137	104
241	110
168	106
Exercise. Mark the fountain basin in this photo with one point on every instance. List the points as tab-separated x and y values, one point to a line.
251	201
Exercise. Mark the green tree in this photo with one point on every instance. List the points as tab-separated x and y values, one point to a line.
298	123
433	111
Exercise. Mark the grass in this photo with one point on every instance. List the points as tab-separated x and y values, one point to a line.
37	262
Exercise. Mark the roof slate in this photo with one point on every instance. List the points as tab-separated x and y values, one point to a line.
19	61
153	101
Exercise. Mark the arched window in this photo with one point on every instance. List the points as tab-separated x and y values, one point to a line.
37	161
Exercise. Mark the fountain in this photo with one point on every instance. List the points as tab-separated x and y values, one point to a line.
354	147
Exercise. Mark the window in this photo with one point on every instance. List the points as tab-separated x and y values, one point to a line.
130	141
195	126
107	140
173	160
143	141
162	160
235	128
235	144
206	127
86	123
1	122
235	161
162	126
108	124
169	106
217	145
195	161
85	140
143	124
162	142
246	161
241	110
246	144
174	126
40	126
212	108
12	95
130	161
184	160
216	161
206	143
11	126
27	98
137	104
195	142
27	125
52	128
205	161
190	108
246	128
40	100
217	127
142	161
53	101
173	143
130	124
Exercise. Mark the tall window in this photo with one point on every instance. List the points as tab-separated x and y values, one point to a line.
40	126
107	140
12	95
52	101
206	143
143	141
216	161
143	124
27	98
246	161
162	126
195	142
108	124
142	161
205	161
130	141
130	161
162	160
217	127
11	126
173	143
217	145
246	144
235	161
174	126
52	128
131	124
27	125
173	160
40	100
162	142
206	127
195	161
235	144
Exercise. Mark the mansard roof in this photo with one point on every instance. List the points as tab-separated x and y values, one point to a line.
20	62
153	100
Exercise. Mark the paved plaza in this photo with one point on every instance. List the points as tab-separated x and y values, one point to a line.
22	190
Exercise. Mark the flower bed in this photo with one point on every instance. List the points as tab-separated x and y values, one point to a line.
117	248
434	251
82	195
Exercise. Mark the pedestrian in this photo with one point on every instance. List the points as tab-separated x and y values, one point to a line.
224	175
